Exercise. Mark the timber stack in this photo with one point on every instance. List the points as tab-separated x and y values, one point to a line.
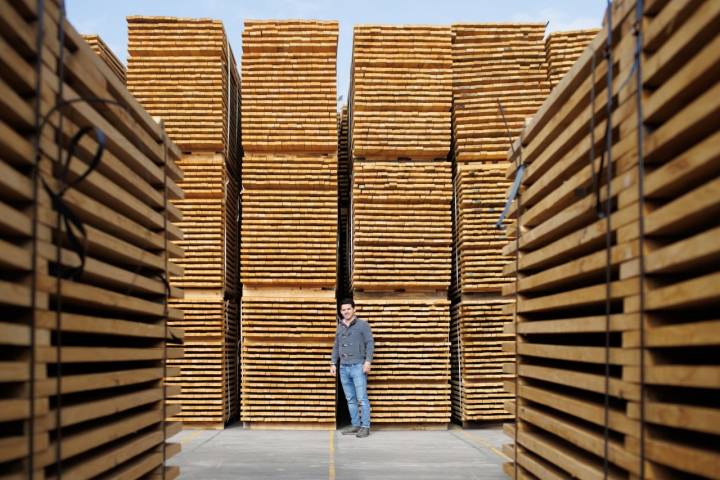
401	230
499	80
289	223
86	234
106	55
617	268
562	49
183	71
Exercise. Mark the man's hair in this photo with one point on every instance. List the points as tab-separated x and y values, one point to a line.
347	301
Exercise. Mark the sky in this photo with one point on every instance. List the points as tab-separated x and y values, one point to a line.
107	18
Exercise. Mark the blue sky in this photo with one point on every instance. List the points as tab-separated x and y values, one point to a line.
108	18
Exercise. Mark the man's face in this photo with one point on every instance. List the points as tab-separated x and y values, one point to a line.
347	311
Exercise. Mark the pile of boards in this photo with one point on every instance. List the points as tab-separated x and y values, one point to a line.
289	222
499	80
617	286
106	55
85	231
562	49
183	71
401	230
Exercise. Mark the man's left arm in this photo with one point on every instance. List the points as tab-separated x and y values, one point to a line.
369	348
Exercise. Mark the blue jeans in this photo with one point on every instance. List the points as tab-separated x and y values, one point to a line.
354	383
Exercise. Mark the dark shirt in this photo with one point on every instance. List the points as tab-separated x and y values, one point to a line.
353	343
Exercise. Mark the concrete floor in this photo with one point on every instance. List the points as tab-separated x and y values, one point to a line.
235	453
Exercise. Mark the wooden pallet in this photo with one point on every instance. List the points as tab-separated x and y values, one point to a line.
409	381
106	55
561	322
287	340
401	92
562	49
90	399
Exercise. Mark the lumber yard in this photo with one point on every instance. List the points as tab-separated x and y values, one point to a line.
522	222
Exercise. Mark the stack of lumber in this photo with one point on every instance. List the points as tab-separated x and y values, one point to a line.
84	327
562	49
408	383
183	71
289	86
402	227
491	64
401	92
343	202
401	223
654	353
106	55
477	336
494	65
289	222
480	195
286	340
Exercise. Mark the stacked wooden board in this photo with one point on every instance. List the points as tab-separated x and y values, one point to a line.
184	71
562	49
408	383
477	337
106	55
495	64
401	224
289	86
402	231
289	223
630	389
287	337
499	80
84	249
401	92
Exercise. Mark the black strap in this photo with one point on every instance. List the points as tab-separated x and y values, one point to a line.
35	173
76	233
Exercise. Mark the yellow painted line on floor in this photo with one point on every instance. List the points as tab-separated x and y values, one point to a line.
189	437
484	443
331	460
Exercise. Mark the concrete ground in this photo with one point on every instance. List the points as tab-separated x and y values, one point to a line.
236	453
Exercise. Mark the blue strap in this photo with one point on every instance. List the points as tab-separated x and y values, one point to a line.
511	198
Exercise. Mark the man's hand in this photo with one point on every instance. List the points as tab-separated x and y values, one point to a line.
366	367
333	370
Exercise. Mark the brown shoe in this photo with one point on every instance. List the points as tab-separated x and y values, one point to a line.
363	432
350	430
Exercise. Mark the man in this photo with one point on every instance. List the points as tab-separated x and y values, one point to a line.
354	346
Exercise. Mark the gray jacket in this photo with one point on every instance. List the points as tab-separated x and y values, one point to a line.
353	344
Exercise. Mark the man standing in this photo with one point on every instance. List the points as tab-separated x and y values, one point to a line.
354	346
